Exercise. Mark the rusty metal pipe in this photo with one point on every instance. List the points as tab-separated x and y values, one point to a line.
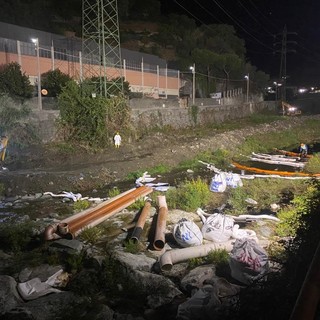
159	240
110	209
72	226
137	231
97	207
50	232
109	214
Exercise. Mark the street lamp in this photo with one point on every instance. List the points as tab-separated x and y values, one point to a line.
193	69
36	42
248	84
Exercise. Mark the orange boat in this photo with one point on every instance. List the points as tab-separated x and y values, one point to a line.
279	173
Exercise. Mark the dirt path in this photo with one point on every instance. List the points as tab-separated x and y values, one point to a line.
40	169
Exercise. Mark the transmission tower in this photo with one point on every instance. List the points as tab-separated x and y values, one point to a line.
101	53
283	61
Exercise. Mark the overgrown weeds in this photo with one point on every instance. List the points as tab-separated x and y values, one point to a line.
190	195
81	205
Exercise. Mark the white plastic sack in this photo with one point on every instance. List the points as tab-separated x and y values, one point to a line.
34	288
243	233
233	180
187	233
217	228
218	182
248	261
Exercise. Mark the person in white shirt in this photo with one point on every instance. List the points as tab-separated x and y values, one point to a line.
117	140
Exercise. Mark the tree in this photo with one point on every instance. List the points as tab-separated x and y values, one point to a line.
13	82
54	81
88	120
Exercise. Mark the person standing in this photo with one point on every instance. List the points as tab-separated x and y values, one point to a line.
303	150
117	140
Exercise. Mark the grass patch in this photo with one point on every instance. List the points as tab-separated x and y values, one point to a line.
113	192
133	246
157	170
265	191
91	235
190	195
16	237
313	164
81	205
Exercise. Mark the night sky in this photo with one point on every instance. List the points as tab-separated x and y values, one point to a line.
261	24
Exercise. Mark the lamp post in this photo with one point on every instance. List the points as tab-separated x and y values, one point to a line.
193	69
248	84
276	93
36	42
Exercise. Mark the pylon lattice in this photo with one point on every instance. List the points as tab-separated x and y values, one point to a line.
101	54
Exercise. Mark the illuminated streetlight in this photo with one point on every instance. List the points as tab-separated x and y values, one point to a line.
248	84
193	69
36	42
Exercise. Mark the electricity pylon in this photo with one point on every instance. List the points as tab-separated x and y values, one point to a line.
283	62
101	53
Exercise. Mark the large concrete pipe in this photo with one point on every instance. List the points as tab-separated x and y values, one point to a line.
169	258
159	239
141	221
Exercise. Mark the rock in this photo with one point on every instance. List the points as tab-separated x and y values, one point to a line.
43	272
134	261
9	296
197	277
64	245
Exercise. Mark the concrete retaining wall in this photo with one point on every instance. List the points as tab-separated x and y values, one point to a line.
150	113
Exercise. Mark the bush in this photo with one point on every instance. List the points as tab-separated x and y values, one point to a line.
91	235
12	122
16	237
13	82
54	81
189	196
88	120
81	205
313	164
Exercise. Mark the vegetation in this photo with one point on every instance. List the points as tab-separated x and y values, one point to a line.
189	196
264	191
15	237
90	121
53	81
81	205
313	164
132	246
13	82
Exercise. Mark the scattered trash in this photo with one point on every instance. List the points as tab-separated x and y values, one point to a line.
274	207
34	288
187	233
218	227
222	180
251	201
218	182
74	196
146	179
248	261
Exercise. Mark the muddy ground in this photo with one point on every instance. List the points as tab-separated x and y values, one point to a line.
42	168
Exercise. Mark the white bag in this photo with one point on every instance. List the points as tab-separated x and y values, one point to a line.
248	261
218	228
218	182
233	180
187	233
